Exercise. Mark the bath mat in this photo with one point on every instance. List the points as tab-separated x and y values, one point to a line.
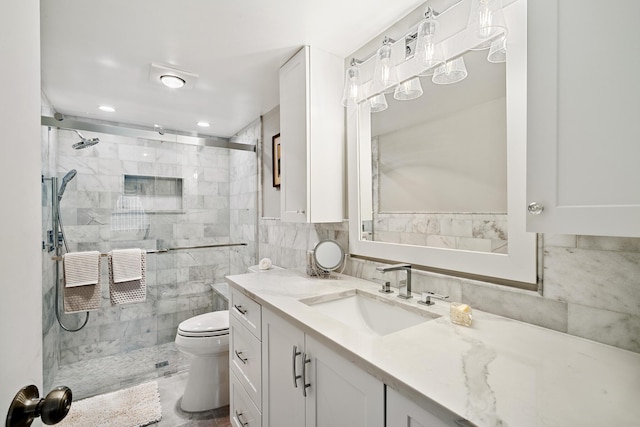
132	407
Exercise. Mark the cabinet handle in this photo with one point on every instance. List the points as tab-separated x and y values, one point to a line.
240	309
297	211
293	366
238	355
238	415
305	360
535	208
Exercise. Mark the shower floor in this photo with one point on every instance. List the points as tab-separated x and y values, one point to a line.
91	377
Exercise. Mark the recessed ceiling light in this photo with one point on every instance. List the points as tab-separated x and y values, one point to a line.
107	108
171	81
203	124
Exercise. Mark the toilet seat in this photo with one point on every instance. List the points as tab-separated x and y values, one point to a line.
211	324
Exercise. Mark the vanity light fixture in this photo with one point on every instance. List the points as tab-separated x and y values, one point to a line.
428	51
351	85
498	50
451	72
410	89
378	103
486	22
106	109
385	76
174	82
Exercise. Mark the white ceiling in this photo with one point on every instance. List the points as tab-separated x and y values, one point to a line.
97	52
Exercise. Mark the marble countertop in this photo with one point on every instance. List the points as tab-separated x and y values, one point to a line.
498	372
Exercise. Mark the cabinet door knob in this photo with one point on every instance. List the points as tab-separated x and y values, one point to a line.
535	208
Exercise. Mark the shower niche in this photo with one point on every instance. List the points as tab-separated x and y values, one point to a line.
154	193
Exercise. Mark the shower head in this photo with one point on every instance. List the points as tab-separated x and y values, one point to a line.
84	142
65	180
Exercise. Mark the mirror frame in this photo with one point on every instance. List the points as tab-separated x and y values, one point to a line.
520	263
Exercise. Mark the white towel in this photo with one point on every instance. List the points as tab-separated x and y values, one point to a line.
81	268
127	265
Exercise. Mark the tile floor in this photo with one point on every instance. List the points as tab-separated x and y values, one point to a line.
99	376
171	388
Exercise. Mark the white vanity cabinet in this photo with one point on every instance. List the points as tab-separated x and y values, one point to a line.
583	126
245	360
402	412
311	137
337	393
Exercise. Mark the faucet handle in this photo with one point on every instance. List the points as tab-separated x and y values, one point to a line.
425	299
386	285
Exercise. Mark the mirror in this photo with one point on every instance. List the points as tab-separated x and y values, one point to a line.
439	181
436	182
328	255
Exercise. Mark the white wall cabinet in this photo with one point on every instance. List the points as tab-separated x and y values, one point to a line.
337	393
312	137
583	117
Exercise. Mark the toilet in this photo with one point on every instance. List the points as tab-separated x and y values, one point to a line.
206	339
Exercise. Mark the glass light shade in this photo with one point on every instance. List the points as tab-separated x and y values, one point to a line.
351	87
428	52
486	22
411	89
498	50
451	72
378	103
385	76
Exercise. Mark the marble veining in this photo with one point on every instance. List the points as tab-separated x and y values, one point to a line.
499	372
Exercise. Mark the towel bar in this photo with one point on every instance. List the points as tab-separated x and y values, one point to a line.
163	250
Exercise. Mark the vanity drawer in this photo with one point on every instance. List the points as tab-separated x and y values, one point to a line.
247	311
245	359
243	413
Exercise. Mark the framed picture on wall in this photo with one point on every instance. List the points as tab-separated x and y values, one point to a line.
276	160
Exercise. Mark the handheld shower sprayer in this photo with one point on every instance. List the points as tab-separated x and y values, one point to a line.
65	180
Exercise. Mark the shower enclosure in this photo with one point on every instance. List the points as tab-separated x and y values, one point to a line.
191	207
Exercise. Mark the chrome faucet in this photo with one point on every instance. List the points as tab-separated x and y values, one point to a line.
404	289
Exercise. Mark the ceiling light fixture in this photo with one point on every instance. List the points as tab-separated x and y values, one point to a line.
204	124
170	77
107	109
174	82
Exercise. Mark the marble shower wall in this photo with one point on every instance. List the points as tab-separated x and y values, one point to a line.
243	199
178	282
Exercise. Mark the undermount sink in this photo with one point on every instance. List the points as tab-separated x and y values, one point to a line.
369	314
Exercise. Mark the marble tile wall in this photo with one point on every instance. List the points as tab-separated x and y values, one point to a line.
591	284
243	199
287	243
179	281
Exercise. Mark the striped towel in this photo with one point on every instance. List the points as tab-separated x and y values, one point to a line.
126	264
80	298
81	268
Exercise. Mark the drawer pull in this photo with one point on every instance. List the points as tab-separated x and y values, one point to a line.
293	366
240	309
238	415
238	355
304	374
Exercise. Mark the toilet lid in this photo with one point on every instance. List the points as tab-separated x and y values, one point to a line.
214	323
